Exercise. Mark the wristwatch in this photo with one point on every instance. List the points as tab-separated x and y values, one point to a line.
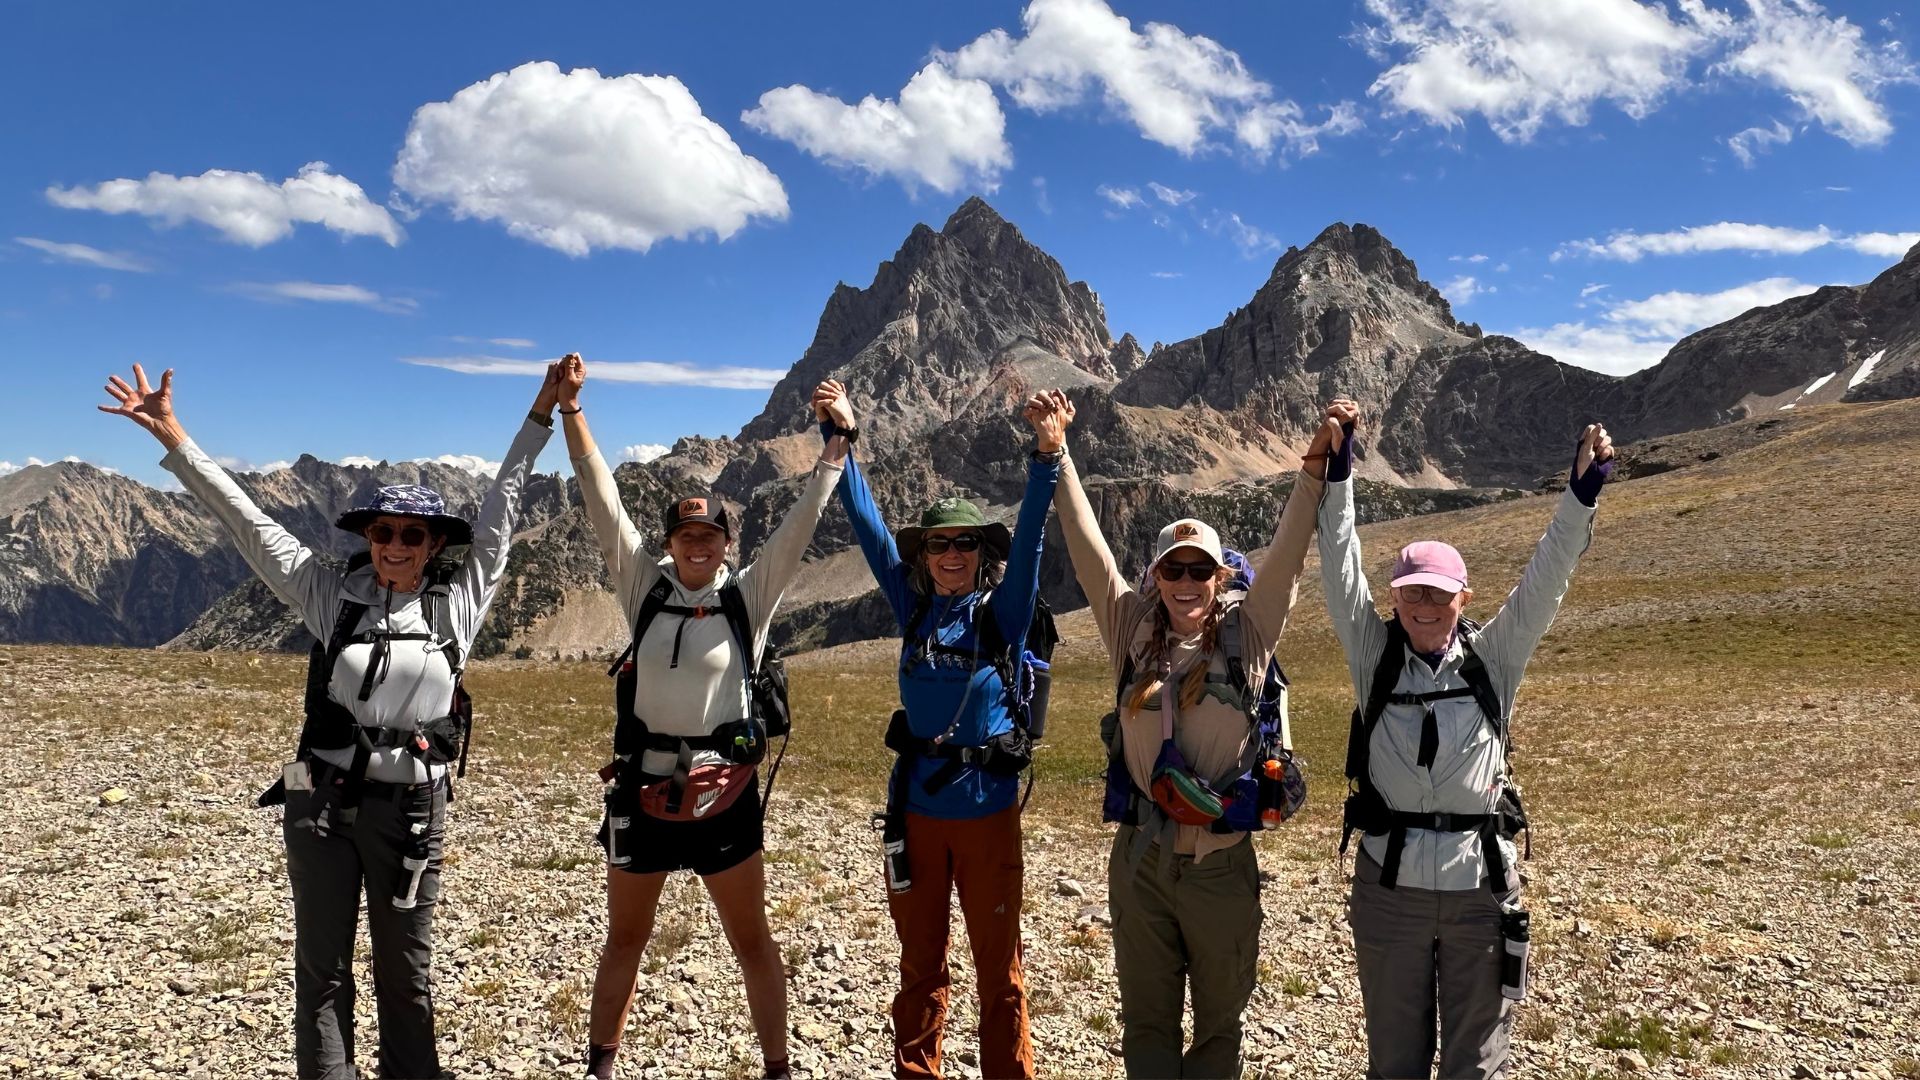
852	433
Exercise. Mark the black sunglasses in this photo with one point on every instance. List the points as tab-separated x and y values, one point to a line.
410	536
965	542
1171	571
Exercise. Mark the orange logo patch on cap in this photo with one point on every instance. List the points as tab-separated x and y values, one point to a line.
693	508
1186	532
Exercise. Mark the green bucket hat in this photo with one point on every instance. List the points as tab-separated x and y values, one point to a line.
954	512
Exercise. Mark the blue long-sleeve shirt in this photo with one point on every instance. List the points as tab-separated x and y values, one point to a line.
940	691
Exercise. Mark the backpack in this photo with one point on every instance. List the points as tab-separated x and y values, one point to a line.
740	742
1366	809
332	726
1027	678
1270	785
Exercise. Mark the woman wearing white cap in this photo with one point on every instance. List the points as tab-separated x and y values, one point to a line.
1185	898
1437	927
367	799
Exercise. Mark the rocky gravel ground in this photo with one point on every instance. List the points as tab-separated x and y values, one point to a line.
150	936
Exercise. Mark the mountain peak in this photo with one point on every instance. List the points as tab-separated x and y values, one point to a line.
974	214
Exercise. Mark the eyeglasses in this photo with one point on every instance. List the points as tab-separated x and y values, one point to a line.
964	543
1425	594
1172	571
410	536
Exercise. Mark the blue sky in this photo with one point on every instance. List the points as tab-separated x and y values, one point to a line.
675	192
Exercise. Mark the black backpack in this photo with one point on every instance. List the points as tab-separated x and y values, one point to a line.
332	726
742	742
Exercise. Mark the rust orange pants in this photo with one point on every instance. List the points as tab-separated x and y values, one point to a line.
982	859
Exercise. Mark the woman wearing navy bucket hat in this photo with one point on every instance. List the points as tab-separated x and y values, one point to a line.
366	799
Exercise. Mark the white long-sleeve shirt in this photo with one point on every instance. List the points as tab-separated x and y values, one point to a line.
1469	770
418	683
708	687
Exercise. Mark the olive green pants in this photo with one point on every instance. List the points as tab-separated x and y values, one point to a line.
1178	930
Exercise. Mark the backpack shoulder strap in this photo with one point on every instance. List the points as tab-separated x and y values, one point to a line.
1474	670
1233	644
650	607
1386	675
733	604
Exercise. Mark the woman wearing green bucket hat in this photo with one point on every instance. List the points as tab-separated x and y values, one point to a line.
1182	882
962	590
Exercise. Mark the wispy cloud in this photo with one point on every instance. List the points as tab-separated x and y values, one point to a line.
502	342
1171	196
1754	141
235	464
1628	246
83	255
1166	275
246	208
1463	289
1252	240
1476	258
1636	333
322	293
1124	198
1591	289
634	371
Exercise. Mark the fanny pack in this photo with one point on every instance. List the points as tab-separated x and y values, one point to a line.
1180	794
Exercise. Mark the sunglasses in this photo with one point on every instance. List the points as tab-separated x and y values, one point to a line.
410	536
1173	571
964	543
1428	594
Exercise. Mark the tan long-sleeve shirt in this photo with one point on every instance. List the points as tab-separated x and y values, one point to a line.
1212	734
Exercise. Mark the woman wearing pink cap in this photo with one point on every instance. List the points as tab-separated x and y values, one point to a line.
1437	926
1184	891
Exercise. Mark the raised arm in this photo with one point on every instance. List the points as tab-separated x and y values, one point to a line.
1107	590
766	580
1356	623
631	566
1013	601
1509	638
280	560
876	542
486	563
1277	585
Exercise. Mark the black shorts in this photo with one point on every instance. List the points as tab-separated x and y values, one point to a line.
705	846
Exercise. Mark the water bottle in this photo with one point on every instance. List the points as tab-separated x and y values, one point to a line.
1270	815
1515	932
616	828
415	863
1042	691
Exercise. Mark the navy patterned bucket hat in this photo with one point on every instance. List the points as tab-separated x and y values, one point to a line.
409	500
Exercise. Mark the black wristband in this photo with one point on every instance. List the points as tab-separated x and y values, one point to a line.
567	412
852	434
1050	457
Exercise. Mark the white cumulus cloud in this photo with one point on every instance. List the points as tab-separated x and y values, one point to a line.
1888	245
83	255
577	161
1822	64
1179	90
1522	64
1463	289
323	293
943	132
636	371
643	452
245	207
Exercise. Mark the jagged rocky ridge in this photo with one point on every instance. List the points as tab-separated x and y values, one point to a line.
952	333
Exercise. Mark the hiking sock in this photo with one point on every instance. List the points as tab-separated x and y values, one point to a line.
600	1060
779	1070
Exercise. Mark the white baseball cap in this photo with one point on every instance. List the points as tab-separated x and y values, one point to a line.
1188	533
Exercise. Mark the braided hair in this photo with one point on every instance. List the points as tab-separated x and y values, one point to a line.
1194	682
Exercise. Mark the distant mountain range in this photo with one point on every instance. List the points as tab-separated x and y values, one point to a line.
954	331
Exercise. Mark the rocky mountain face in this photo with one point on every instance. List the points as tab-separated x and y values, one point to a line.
91	557
938	351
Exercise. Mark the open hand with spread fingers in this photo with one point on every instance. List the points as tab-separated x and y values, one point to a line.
150	408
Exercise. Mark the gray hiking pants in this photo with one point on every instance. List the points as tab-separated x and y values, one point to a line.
327	873
1413	944
1190	929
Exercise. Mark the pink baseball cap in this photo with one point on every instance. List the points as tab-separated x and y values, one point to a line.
1430	562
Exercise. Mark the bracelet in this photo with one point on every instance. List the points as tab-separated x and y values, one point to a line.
1050	457
568	412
